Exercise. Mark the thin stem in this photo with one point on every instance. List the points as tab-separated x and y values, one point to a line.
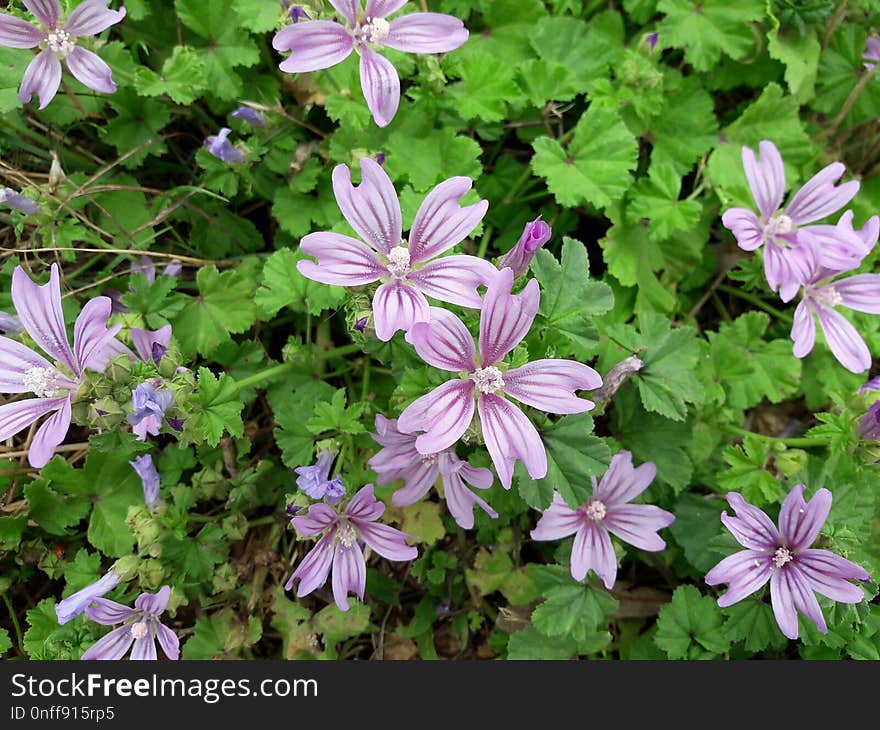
801	442
757	301
484	242
285	367
831	130
15	624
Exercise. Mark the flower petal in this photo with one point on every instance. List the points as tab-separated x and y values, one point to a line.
844	341
18	33
509	436
381	86
18	415
319	517
48	12
144	649
621	482
15	360
348	9
441	222
386	540
371	208
397	306
828	574
49	435
819	197
506	318
145	341
444	342
745	571
860	292
455	279
39	308
107	612
315	45
314	567
592	549
91	17
783	603
557	521
787	269
766	178
803	329
751	527
549	385
153	603
90	69
426	33
460	500
94	344
72	606
168	641
112	646
839	247
800	521
382	8
349	575
364	506
798	588
745	226
444	415
342	260
418	480
42	77
637	524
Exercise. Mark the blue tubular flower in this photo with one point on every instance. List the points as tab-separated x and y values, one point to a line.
220	147
315	480
149	409
72	606
150	479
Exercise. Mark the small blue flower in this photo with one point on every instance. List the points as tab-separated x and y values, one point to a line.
251	116
150	479
18	201
220	147
149	409
315	480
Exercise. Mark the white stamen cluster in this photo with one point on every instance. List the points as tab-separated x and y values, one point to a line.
827	296
373	30
595	511
60	42
346	535
782	556
488	380
429	459
139	630
777	225
398	262
42	382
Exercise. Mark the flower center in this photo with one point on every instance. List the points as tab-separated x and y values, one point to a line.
139	630
782	556
346	534
42	382
488	380
595	511
429	459
398	262
827	296
60	42
777	225
373	30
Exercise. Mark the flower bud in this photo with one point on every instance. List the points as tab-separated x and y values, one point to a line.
535	235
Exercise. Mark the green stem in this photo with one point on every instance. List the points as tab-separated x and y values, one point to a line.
484	242
515	188
801	442
15	624
267	520
285	367
757	301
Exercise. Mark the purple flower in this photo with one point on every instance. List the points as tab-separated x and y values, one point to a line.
872	52
8	196
146	267
340	546
821	295
220	147
316	482
445	413
535	235
787	262
869	424
43	75
297	13
24	371
651	40
380	158
784	558
151	345
10	324
149	409
141	628
408	270
251	116
72	606
150	479
361	324
320	44
399	459
607	511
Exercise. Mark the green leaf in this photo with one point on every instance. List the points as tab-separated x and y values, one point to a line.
217	409
284	286
687	128
83	570
425	157
138	122
195	557
800	54
222	635
596	166
531	644
655	198
11	529
495	571
52	510
747	473
225	306
294	439
338	625
485	88
45	639
334	416
5	642
569	298
422	520
707	28
690	626
753	622
571	609
182	78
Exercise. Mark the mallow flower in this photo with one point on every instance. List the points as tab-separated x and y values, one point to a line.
607	511
315	480
400	459
340	546
446	412
151	344
409	270
319	44
58	42
534	236
69	608
55	385
784	557
787	261
141	628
